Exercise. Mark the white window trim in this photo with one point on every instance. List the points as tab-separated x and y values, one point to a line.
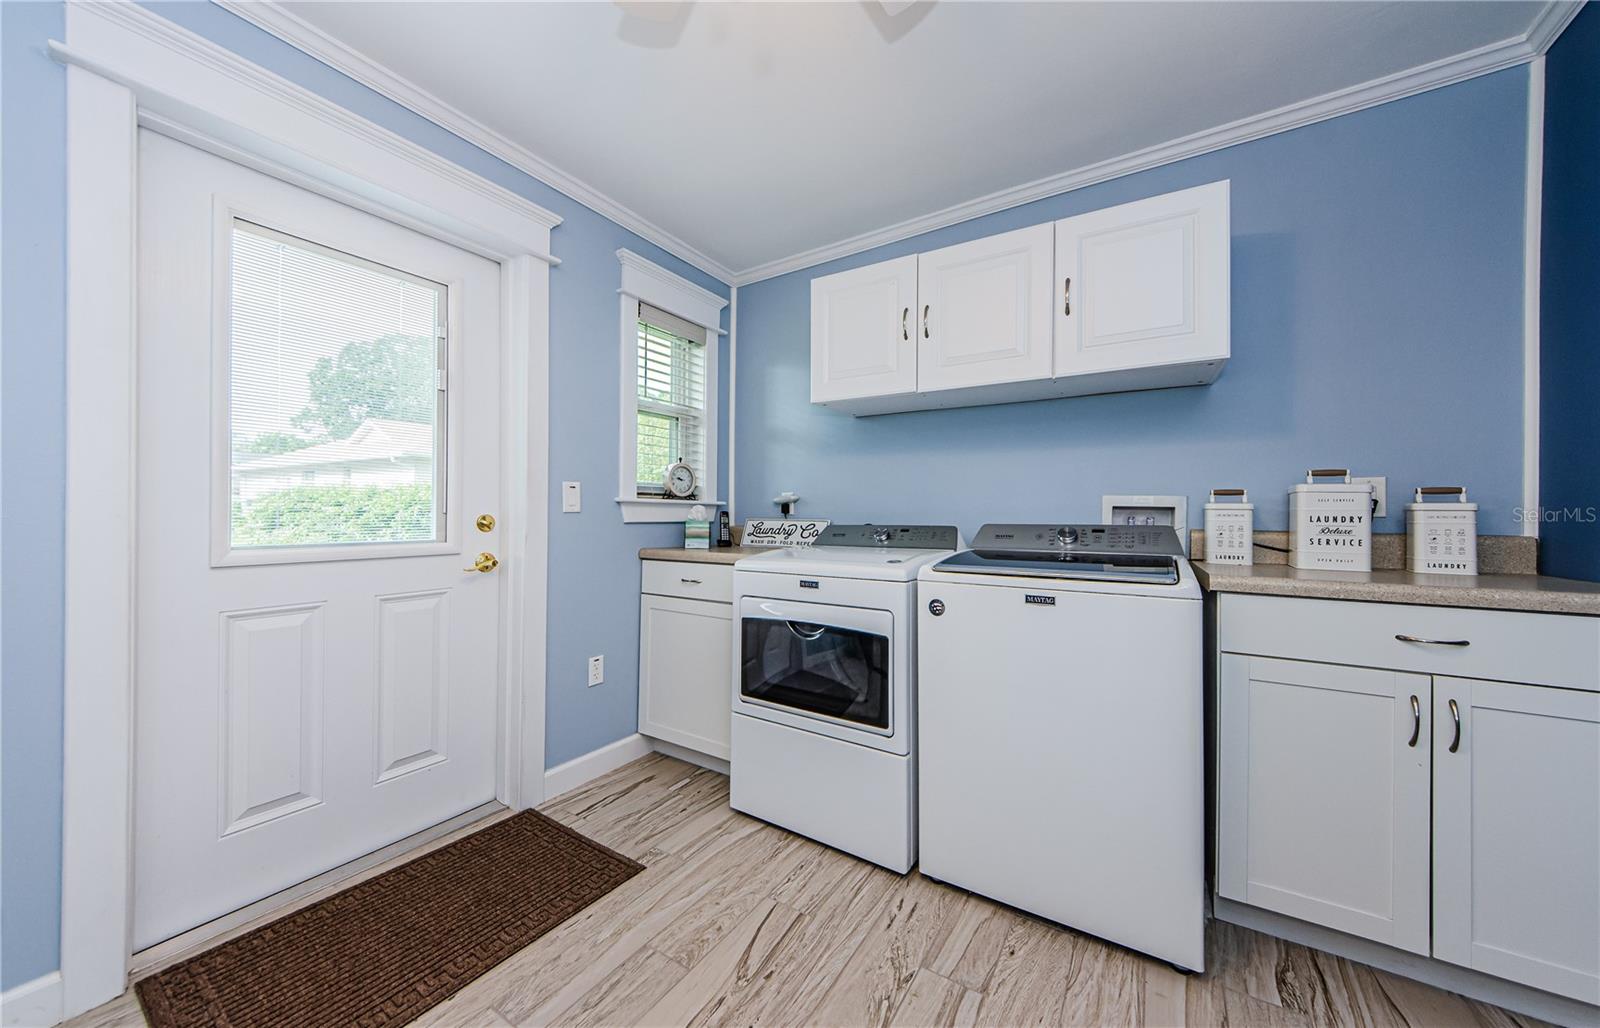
658	287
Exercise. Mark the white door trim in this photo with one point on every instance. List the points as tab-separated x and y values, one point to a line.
128	67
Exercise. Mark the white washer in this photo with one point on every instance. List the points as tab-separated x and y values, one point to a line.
824	687
1061	730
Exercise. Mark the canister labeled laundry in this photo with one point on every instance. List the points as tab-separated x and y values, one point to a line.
1230	528
1442	538
1330	523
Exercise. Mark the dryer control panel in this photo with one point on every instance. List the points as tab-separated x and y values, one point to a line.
903	537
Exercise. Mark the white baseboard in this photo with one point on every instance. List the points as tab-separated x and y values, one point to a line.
581	770
688	756
35	1004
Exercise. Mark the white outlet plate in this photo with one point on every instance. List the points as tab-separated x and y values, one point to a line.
1380	492
597	671
571	497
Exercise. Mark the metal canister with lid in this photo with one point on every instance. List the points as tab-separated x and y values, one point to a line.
1230	528
1330	523
1442	538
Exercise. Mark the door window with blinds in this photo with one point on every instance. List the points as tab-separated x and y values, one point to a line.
671	421
336	377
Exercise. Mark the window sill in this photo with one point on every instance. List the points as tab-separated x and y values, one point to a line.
638	511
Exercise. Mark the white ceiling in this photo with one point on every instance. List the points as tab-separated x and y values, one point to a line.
754	132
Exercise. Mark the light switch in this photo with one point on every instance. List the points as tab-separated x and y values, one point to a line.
571	497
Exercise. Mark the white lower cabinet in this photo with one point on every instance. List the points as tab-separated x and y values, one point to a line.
685	651
1436	811
1516	833
1323	795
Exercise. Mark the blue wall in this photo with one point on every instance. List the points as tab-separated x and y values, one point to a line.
1569	308
1377	322
594	570
32	455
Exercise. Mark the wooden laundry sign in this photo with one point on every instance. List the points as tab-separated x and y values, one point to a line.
781	532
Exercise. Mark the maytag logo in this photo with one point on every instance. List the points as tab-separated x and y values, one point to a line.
810	583
1043	601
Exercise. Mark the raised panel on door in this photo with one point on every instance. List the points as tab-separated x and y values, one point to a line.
413	679
1144	284
685	652
985	311
1516	833
861	332
1322	805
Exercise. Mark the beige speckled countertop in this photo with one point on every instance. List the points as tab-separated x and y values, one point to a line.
1490	592
726	555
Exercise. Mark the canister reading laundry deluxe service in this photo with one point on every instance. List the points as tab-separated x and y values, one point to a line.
1330	523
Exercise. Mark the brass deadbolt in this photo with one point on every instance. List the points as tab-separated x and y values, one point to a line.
485	522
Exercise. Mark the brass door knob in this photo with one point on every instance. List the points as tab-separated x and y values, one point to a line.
485	563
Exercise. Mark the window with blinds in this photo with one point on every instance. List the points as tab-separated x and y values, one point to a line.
672	399
335	400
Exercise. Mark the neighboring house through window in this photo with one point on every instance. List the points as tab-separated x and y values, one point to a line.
669	390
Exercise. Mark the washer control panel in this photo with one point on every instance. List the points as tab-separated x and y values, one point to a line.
1152	539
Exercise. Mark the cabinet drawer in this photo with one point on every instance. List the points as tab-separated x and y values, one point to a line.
685	578
1510	646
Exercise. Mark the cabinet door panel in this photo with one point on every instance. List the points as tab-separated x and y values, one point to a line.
987	307
1517	833
862	341
685	651
1323	797
1144	284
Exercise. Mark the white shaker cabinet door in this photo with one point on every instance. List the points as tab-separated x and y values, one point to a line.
685	651
984	314
1143	285
1323	795
1516	833
862	335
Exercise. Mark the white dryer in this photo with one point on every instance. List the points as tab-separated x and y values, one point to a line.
824	687
1061	730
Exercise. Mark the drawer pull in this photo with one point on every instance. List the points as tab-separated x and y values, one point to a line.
690	581
1416	721
1434	642
1455	715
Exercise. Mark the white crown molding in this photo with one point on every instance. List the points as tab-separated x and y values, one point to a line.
1555	16
304	36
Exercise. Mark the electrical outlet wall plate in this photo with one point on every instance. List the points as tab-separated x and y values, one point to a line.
1380	493
597	670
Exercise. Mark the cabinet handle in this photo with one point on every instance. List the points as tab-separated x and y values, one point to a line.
925	321
1455	715
1434	642
905	313
1066	297
690	581
1416	721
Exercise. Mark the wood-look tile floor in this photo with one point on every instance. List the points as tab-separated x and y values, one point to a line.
735	922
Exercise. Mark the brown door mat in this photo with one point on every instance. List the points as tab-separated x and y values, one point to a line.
388	949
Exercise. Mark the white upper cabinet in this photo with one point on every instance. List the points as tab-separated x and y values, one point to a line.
1145	284
1516	833
862	342
1131	297
984	311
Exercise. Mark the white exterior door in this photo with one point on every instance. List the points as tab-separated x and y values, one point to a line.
862	332
1516	833
1322	795
985	315
1144	284
318	432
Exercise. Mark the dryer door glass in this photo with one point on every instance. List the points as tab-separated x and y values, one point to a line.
816	669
